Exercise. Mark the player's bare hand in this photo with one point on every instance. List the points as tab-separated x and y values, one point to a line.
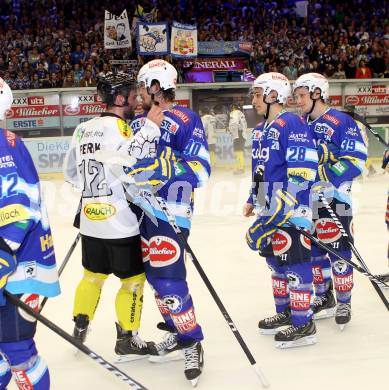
156	115
248	210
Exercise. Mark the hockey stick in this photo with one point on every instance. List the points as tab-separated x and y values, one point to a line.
116	161
352	246
97	358
63	265
164	208
376	280
363	121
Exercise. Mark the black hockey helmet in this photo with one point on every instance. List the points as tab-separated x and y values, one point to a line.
114	84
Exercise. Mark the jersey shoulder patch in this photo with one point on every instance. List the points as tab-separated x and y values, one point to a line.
181	114
124	129
10	137
332	118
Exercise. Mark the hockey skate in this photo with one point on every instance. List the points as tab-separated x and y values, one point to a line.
271	325
81	325
129	346
168	349
194	362
324	306
343	314
296	336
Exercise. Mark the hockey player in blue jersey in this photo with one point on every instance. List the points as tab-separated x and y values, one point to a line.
176	179
27	261
284	164
342	156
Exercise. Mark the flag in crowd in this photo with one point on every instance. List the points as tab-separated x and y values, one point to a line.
152	39
117	34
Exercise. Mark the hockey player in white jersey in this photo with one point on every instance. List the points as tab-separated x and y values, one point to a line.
237	126
109	227
209	123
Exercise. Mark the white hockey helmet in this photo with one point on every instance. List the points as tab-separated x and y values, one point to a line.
141	74
273	81
313	81
161	71
6	98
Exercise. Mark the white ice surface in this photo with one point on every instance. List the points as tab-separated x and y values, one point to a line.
355	359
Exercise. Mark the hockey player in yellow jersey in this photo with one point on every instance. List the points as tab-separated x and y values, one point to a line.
108	225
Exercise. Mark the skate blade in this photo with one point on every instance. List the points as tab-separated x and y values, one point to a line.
342	326
309	340
170	357
129	358
327	313
195	381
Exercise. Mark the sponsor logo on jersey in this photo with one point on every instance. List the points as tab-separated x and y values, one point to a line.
352	131
340	267
327	231
261	153
13	213
186	321
198	132
145	249
21	379
273	134
173	302
163	309
300	300
305	173
332	119
89	147
29	269
318	276
136	124
325	129
305	241
6	161
32	300
344	283
124	129
298	137
181	115
281	242
257	134
46	242
294	279
99	211
280	287
280	122
163	251
169	125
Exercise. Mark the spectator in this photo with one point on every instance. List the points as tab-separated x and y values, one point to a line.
54	81
290	70
78	73
340	73
22	81
377	64
87	80
69	81
363	72
35	82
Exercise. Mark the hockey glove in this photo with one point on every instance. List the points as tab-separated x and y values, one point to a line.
327	153
7	267
259	236
154	172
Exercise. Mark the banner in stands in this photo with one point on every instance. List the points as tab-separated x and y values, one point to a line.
32	112
117	34
152	39
48	154
201	70
222	48
80	108
183	40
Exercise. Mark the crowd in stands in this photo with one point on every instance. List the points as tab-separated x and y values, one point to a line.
59	43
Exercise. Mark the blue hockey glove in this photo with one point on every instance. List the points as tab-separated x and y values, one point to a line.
327	153
153	171
259	236
7	267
